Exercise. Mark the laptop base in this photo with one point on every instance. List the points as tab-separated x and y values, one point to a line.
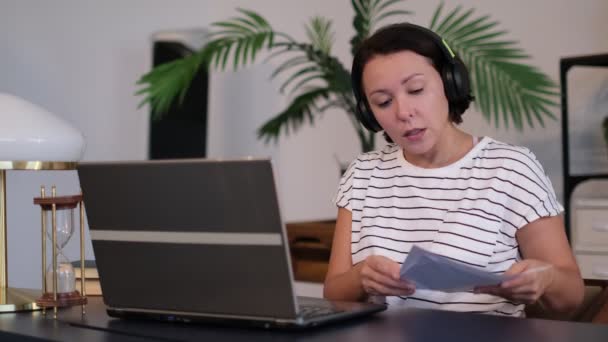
328	313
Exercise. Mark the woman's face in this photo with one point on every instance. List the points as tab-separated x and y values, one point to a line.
407	97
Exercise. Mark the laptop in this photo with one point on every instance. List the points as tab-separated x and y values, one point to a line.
197	240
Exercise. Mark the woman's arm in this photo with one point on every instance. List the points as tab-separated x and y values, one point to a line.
545	240
374	275
552	276
342	279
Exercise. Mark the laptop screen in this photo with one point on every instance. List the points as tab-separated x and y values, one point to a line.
200	236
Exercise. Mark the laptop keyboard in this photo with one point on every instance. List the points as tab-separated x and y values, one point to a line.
312	311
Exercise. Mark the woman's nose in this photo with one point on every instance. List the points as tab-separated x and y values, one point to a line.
404	108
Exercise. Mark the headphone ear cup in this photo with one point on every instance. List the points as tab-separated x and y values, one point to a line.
449	83
456	82
367	118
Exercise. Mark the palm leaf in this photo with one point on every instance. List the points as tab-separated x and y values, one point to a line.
293	61
239	38
368	13
505	87
310	63
243	36
310	68
320	34
306	73
168	82
302	108
298	61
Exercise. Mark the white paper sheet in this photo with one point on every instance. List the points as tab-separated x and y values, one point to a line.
435	272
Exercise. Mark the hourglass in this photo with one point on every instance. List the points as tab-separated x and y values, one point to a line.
58	277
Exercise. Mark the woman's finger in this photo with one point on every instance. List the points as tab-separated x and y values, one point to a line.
385	279
375	288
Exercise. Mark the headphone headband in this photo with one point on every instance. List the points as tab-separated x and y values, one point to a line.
439	41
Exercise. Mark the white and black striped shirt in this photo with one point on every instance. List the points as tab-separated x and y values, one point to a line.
468	211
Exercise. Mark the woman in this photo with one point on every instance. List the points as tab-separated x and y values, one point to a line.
475	200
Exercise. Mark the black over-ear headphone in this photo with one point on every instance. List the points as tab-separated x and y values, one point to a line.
454	75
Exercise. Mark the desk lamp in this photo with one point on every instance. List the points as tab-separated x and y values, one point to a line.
31	138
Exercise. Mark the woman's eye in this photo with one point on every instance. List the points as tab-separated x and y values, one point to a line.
384	104
416	91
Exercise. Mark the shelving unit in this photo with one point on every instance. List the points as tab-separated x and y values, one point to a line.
572	181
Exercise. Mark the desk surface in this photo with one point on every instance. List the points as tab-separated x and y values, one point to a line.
34	326
396	325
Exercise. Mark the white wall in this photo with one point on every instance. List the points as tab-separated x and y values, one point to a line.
80	59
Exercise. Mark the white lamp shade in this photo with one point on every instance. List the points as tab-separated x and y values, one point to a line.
31	133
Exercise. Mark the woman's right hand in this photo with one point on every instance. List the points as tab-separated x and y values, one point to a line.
380	276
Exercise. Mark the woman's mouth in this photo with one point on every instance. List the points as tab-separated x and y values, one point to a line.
414	134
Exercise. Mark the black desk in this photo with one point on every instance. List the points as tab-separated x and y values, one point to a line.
404	325
33	326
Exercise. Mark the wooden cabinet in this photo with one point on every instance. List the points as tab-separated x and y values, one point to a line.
310	247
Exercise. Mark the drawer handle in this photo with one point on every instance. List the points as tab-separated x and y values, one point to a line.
600	227
600	272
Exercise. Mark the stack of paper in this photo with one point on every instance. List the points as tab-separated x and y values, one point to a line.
435	272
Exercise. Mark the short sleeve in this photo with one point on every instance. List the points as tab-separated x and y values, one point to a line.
345	188
539	199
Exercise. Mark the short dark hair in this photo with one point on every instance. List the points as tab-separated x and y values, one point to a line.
401	37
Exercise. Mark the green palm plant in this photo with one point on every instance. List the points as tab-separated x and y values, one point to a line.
315	80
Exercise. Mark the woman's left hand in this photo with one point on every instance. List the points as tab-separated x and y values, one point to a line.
529	280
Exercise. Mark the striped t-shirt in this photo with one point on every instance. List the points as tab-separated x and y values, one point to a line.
468	211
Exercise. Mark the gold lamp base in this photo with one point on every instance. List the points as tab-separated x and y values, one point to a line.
15	299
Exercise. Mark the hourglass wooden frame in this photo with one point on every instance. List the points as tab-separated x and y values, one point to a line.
54	203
